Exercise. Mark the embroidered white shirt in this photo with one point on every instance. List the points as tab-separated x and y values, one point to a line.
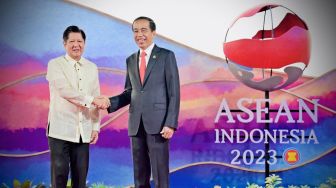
73	86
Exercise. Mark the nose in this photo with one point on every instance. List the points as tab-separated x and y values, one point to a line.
139	34
76	43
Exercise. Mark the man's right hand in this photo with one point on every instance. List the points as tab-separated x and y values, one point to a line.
101	102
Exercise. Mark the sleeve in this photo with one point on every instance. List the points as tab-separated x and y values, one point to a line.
124	98
58	80
95	115
173	88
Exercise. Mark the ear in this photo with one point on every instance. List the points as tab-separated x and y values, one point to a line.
154	33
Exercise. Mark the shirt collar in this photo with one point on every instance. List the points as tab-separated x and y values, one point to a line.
72	61
149	49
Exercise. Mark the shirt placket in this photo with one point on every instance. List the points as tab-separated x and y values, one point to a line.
81	91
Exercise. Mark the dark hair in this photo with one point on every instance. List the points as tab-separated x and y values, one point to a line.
72	29
152	25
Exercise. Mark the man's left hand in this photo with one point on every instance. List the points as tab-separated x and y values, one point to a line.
94	137
167	132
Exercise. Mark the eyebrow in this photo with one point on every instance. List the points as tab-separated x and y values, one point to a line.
71	40
140	28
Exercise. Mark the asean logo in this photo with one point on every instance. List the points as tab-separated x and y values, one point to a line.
291	156
267	47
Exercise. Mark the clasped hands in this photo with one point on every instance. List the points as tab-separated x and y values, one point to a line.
101	102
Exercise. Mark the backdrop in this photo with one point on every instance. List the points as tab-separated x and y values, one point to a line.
31	35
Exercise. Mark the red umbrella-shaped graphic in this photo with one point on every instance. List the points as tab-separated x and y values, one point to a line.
281	47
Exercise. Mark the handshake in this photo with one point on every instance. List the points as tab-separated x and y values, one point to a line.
101	102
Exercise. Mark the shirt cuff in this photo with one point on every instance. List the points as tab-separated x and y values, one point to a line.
88	101
96	127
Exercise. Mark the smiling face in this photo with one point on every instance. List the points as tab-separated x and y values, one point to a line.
143	35
74	45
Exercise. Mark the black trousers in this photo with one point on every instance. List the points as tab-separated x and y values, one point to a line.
150	152
67	155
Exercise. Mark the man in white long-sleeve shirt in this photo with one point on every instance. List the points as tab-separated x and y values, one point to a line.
73	120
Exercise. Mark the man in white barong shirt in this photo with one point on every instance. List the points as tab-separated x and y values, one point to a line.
73	121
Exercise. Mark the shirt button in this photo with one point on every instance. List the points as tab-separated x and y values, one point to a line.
142	91
84	104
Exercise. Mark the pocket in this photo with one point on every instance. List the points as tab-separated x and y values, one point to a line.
160	106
